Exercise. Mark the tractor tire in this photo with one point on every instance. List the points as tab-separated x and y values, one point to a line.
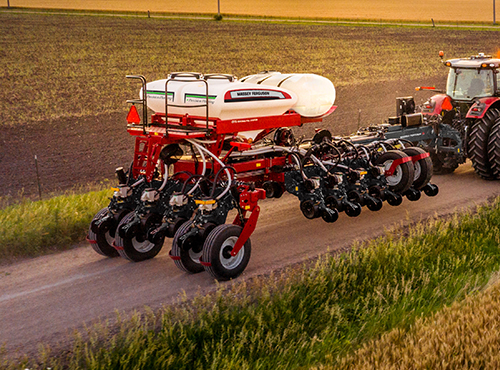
478	144
186	260
216	253
494	149
402	178
103	241
423	167
137	248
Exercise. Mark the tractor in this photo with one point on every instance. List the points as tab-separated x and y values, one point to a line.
470	107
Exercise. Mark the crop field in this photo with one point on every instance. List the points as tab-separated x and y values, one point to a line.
64	90
423	10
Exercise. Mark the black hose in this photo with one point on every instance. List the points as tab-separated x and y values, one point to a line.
214	186
189	179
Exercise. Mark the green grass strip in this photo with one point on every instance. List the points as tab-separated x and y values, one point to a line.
32	228
306	316
464	335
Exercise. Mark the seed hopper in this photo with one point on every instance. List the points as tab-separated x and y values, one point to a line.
215	146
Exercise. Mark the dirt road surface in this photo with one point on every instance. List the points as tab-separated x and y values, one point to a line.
43	299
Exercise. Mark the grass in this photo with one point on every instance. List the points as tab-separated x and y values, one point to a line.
30	228
57	67
464	335
311	316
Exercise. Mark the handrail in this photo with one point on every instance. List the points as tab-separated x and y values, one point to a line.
143	101
220	76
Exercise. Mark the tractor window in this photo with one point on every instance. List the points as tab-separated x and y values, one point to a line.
467	84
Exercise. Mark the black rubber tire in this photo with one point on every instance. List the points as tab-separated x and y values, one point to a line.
216	249
138	248
309	209
352	209
404	174
103	241
437	166
423	168
494	149
189	260
478	144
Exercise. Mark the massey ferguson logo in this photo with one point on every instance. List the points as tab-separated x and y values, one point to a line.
251	95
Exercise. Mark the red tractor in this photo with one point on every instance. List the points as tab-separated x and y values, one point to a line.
471	107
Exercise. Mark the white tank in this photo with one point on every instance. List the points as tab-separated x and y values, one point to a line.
315	94
227	99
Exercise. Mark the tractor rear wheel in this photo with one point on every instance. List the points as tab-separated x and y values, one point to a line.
186	259
494	149
217	249
478	144
402	178
102	241
137	247
422	168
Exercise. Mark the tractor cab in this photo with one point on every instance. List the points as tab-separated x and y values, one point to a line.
472	78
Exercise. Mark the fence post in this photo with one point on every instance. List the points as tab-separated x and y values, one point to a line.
38	178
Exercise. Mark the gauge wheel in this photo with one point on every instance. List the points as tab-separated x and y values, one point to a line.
136	248
186	259
217	257
423	168
102	241
402	178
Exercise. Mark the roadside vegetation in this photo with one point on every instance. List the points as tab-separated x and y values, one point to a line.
315	315
464	335
31	228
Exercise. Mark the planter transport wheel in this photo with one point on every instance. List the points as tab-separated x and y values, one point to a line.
136	247
217	258
186	257
402	178
102	240
422	168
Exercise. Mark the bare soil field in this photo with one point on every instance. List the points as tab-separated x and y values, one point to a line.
423	10
64	91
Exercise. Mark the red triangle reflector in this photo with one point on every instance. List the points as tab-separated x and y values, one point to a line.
133	116
447	104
